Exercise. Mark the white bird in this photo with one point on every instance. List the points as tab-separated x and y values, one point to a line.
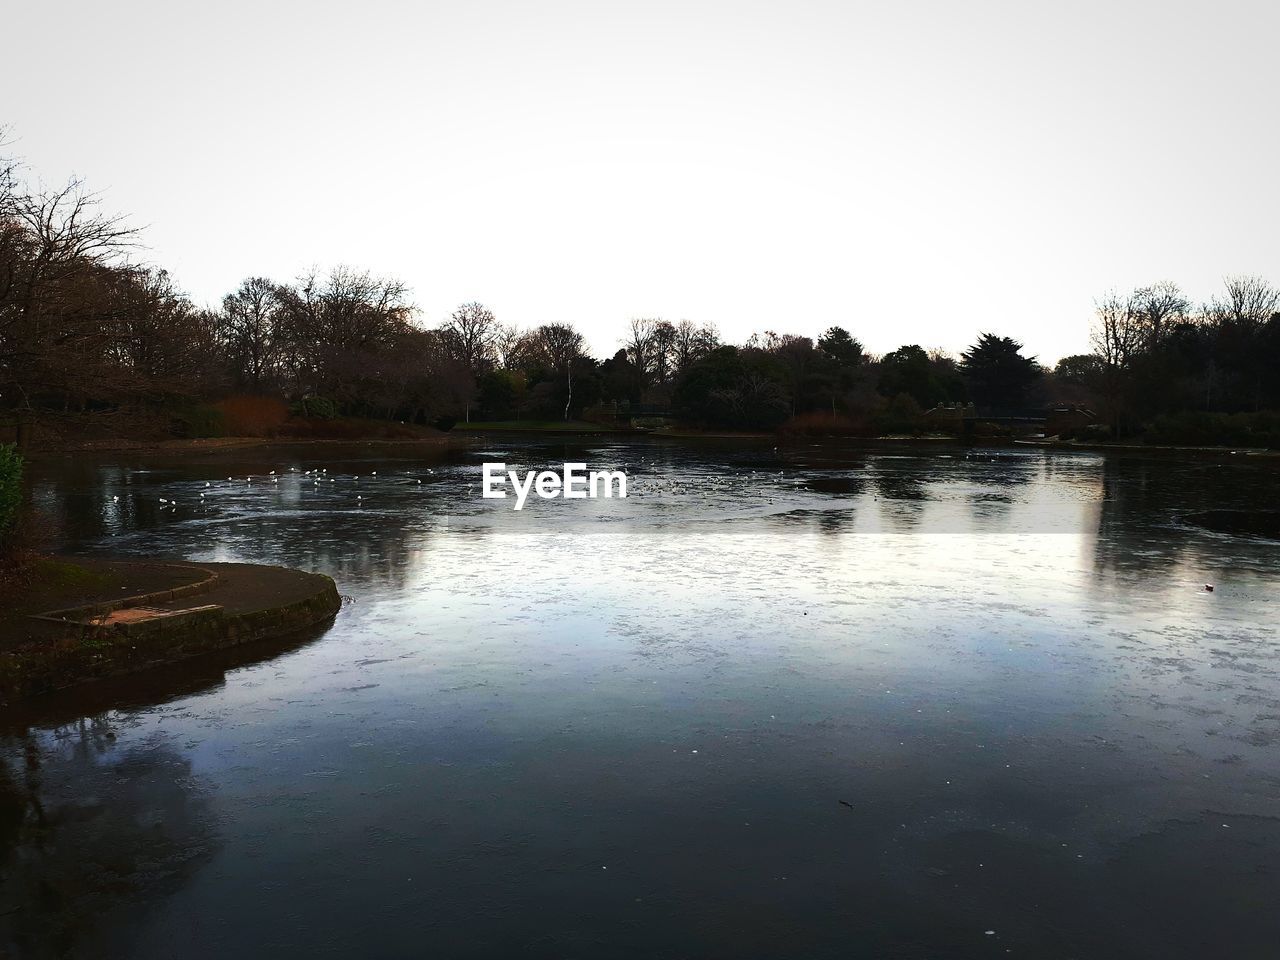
207	484
115	499
271	474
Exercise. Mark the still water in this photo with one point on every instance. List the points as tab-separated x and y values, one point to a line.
801	703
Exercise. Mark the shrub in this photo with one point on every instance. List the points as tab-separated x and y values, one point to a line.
10	492
253	416
350	428
1089	433
988	430
321	408
819	424
903	415
199	421
1217	429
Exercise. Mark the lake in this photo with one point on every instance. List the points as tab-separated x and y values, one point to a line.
811	702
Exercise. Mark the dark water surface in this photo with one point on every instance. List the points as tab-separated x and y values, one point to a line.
800	703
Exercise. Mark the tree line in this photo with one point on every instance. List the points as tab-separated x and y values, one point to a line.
85	326
1164	366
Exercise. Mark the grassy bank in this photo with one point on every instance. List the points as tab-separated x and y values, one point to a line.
178	430
538	426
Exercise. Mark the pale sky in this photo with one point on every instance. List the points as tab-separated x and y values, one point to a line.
914	171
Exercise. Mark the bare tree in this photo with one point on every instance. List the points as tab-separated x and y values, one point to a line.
251	329
559	345
1239	321
1250	302
8	175
693	342
1119	335
639	344
51	245
332	323
1157	307
15	244
472	329
160	342
508	345
470	332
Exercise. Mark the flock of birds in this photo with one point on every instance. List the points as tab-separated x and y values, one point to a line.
763	487
315	477
648	481
707	487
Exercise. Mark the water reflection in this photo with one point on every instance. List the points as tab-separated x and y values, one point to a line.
541	734
88	830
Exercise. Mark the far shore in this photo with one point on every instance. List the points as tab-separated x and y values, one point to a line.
218	444
464	432
784	439
541	426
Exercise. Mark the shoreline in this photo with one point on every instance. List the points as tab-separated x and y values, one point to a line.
173	611
461	434
923	440
194	447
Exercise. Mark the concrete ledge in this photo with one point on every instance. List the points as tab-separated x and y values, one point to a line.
97	610
90	643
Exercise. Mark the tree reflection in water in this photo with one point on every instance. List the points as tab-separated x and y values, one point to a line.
85	830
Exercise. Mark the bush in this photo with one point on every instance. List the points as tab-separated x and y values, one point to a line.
1089	433
903	415
199	421
10	492
987	430
818	424
1217	429
321	408
253	416
351	428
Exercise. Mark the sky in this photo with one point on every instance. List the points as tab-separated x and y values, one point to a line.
915	171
